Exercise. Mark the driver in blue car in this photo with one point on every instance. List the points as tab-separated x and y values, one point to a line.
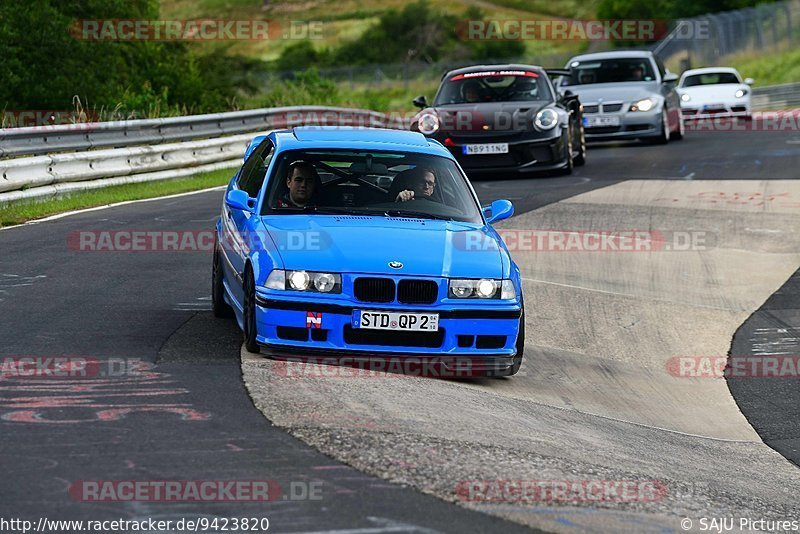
301	183
421	184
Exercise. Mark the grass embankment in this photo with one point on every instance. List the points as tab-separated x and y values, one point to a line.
17	213
768	68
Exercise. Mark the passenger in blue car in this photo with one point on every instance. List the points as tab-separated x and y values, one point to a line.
301	182
419	183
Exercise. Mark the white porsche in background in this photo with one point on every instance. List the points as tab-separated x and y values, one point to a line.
714	92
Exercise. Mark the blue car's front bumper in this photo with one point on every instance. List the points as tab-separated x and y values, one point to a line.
482	334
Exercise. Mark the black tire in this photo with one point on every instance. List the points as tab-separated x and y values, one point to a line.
221	308
249	313
663	136
580	159
569	164
677	136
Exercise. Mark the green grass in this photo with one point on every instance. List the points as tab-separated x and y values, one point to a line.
20	212
768	68
344	20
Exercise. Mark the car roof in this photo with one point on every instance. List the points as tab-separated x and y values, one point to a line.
356	138
483	68
614	54
706	70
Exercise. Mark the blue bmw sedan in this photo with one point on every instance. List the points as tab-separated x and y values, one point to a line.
360	243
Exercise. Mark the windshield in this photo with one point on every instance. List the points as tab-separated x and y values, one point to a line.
493	86
610	71
370	183
710	78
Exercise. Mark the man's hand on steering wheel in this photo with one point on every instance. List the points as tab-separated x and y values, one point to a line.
405	196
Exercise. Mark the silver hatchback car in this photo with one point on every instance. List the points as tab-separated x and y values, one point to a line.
625	95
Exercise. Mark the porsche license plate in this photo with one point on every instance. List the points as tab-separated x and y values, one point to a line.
486	148
412	322
600	120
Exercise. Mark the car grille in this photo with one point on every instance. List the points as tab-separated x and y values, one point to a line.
417	291
374	289
603	129
606	108
393	338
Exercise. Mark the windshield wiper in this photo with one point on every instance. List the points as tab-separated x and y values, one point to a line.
416	214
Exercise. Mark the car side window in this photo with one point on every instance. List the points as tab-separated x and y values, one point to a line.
254	170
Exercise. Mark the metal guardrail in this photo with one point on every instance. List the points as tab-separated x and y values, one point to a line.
146	150
776	97
72	137
145	153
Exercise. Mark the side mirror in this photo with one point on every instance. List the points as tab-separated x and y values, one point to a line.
500	209
421	102
670	77
238	199
749	81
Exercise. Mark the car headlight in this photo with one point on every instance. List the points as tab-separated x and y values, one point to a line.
740	93
304	281
643	105
428	123
685	97
546	119
485	288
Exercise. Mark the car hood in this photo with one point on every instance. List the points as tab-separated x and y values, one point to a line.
496	115
360	244
717	92
615	92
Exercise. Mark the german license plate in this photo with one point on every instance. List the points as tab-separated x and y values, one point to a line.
486	148
412	322
600	120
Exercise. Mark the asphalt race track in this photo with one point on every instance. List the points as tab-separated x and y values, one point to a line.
598	396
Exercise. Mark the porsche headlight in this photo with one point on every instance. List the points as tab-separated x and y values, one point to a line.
304	281
428	123
645	104
740	93
546	119
685	97
484	288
